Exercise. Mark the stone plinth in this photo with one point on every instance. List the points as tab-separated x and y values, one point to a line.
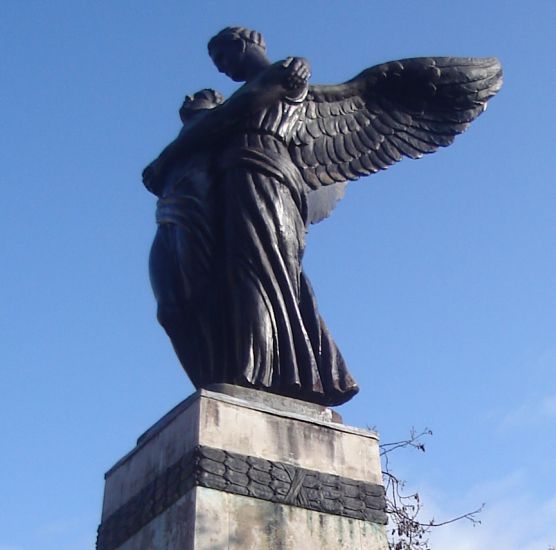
246	470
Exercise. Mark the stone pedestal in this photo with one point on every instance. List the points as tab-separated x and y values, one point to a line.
246	470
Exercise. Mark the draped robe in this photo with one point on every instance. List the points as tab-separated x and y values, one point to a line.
182	269
276	339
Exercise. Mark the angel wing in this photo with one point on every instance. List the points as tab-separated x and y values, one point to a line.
404	108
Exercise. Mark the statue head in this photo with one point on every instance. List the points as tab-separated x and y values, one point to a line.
203	99
236	51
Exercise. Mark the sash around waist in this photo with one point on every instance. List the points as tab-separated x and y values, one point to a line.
179	210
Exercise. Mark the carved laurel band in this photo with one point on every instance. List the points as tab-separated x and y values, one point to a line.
249	476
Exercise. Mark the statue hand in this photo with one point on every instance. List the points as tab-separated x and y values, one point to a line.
298	72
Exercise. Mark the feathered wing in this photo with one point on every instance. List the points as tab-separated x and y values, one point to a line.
404	108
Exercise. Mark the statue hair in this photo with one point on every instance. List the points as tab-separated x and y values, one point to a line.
236	33
208	94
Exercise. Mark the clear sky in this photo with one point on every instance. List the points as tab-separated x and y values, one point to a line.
437	277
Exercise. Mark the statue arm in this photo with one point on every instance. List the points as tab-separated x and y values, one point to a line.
154	173
281	80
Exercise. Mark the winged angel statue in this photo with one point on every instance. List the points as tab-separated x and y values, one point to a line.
245	177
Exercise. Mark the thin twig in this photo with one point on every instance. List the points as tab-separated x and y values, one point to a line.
407	532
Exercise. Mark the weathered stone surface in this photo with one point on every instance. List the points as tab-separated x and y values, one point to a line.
224	422
223	521
276	482
278	402
216	460
258	430
153	456
282	527
173	529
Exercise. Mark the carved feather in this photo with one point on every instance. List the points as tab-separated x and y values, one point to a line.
380	160
367	162
308	156
391	154
350	147
405	148
357	144
345	170
334	172
320	151
358	168
340	149
371	137
331	151
323	176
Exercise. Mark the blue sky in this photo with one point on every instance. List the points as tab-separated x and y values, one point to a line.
435	277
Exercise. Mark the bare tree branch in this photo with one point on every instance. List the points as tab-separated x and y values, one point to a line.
407	531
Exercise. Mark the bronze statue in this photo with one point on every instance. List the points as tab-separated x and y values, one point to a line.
244	179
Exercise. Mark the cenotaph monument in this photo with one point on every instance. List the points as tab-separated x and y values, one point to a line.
256	458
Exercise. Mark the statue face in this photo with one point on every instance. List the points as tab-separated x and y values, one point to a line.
231	58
